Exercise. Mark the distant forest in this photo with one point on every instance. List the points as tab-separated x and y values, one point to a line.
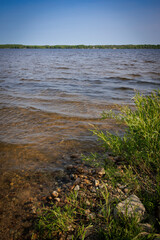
20	46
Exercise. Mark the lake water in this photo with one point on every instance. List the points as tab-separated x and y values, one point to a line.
48	97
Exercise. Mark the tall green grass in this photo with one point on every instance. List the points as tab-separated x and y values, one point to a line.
140	144
139	147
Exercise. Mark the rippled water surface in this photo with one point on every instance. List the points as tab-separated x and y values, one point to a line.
48	97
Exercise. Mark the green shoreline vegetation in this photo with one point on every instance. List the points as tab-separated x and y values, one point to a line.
131	160
129	46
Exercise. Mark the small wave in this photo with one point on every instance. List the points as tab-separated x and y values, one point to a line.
124	88
134	75
62	68
148	83
149	61
118	78
96	81
29	80
155	73
58	78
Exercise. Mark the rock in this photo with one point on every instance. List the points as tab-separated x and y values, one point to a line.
69	167
44	198
49	198
80	169
87	211
100	171
146	227
81	185
82	194
34	210
121	186
119	191
101	186
126	190
57	199
74	156
77	181
132	206
72	176
90	171
92	216
54	194
93	190
77	188
96	183
88	202
86	181
58	190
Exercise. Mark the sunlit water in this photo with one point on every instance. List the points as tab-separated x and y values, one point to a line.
48	97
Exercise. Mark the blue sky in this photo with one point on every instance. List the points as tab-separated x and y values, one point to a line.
80	22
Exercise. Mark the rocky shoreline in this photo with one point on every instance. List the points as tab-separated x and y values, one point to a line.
88	182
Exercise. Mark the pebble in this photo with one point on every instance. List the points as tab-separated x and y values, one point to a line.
69	167
72	176
87	182
88	202
100	171
92	216
80	169
96	183
44	198
81	185
74	156
119	191
54	194
90	171
58	190
82	194
77	181
49	198
93	190
77	188
121	186
126	190
101	186
87	211
34	210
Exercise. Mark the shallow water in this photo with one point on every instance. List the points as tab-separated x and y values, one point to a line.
48	97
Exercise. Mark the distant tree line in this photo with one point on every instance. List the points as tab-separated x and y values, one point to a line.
130	46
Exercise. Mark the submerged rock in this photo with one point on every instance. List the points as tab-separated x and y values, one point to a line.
130	207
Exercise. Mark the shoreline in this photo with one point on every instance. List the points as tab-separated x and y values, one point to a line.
81	46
